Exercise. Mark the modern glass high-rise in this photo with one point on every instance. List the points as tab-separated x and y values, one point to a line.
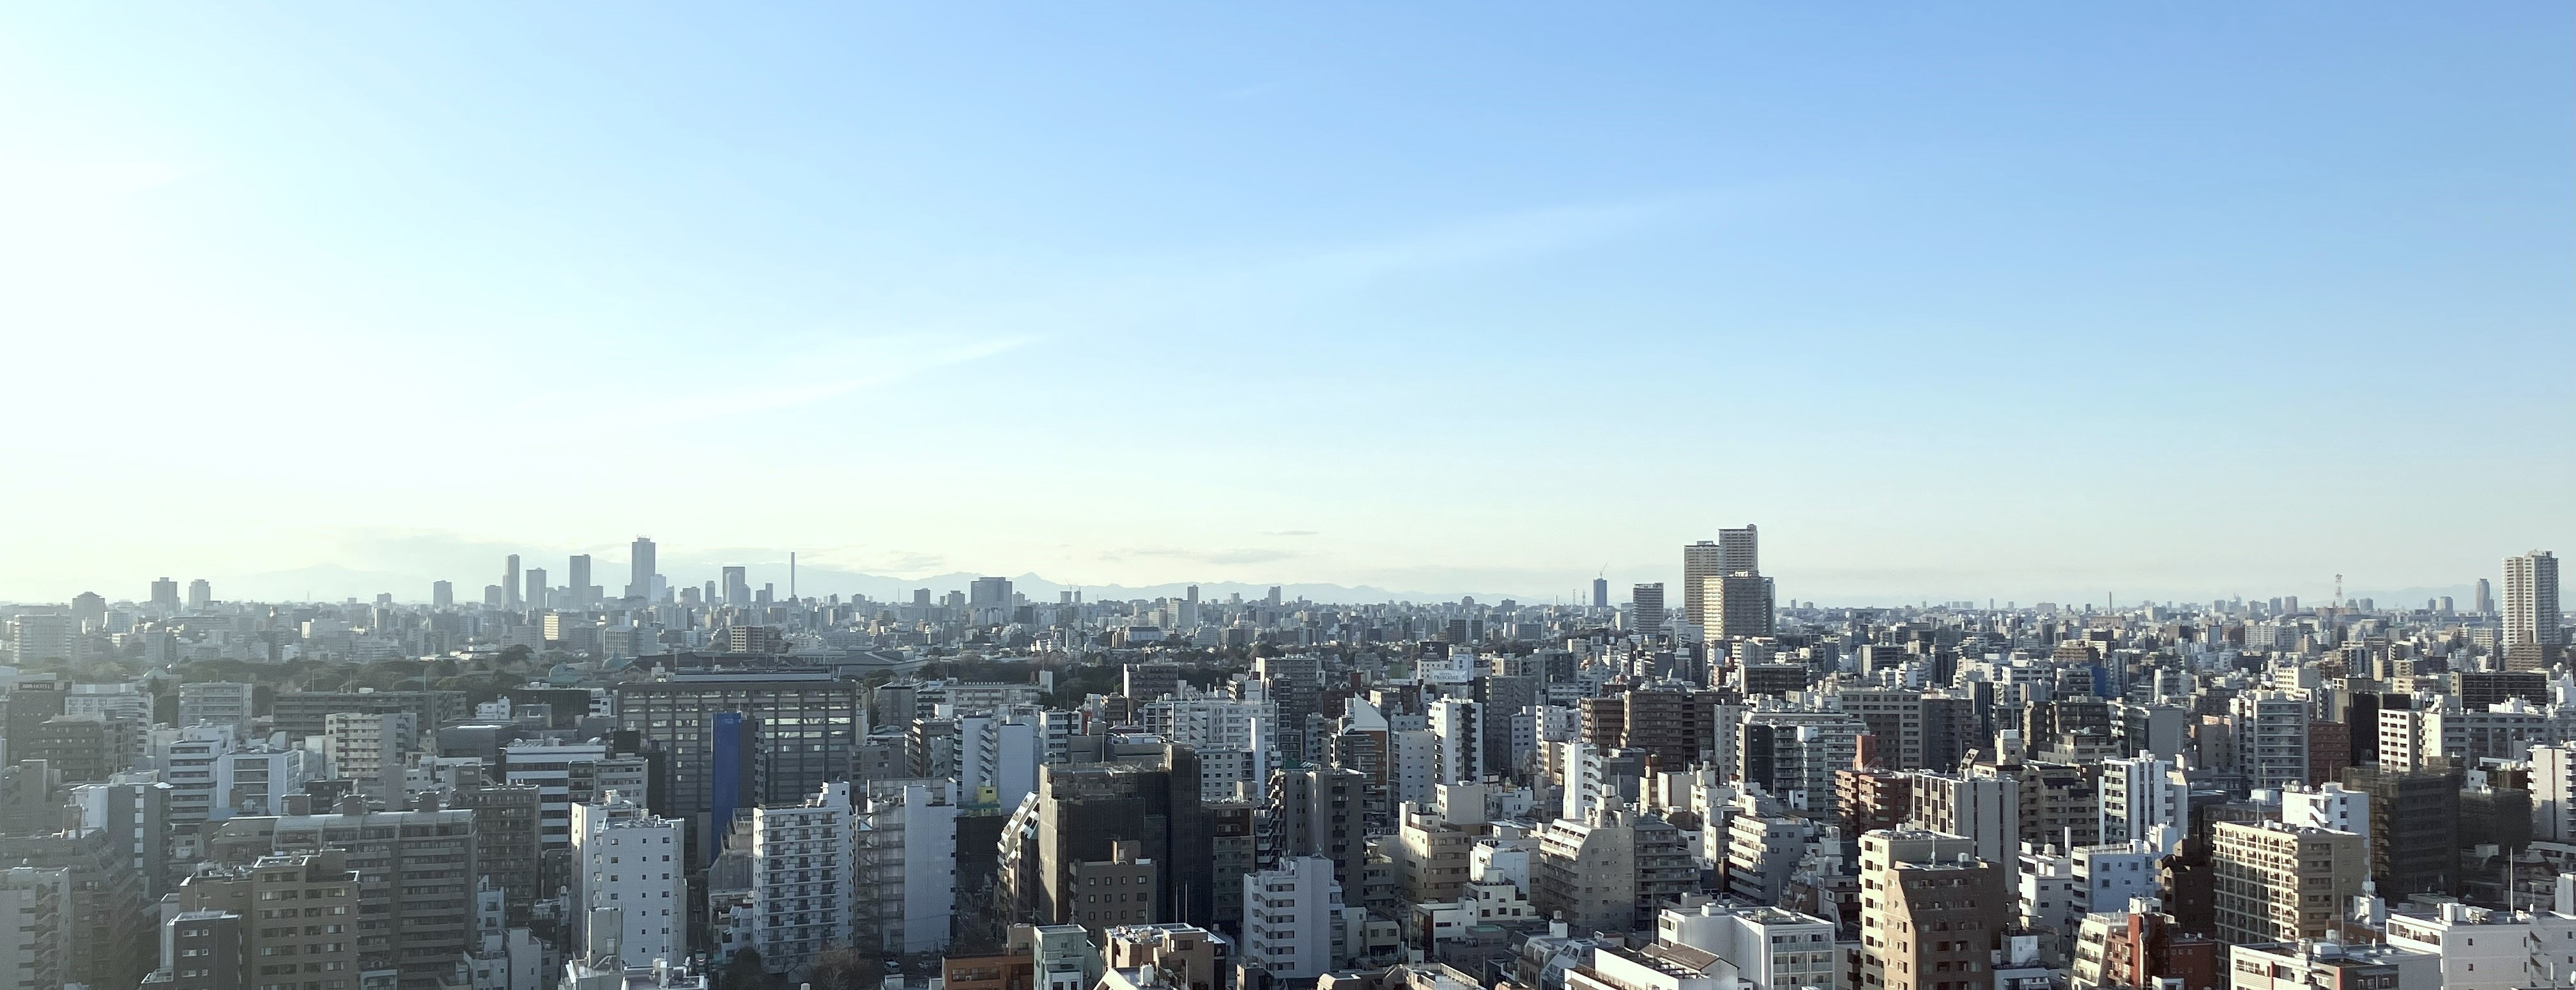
510	583
442	594
2531	600
737	587
578	570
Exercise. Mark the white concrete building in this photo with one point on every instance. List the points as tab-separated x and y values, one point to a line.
1289	916
2486	949
2437	732
2108	876
802	880
2270	731
1763	947
2553	792
634	861
2328	806
1000	752
1983	807
2144	798
906	841
2310	965
1458	740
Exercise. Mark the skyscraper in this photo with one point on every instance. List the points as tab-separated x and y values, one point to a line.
1735	604
201	594
737	587
1735	552
536	596
989	592
510	583
2531	600
1699	563
442	594
578	571
640	567
1738	550
1600	592
1648	600
165	596
2486	598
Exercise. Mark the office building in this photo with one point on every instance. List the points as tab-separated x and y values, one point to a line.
1647	604
756	738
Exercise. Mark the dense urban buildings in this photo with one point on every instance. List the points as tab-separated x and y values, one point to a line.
721	784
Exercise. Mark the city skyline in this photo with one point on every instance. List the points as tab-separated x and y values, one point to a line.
2023	302
818	582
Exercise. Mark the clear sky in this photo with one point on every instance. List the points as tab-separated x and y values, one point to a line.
2014	300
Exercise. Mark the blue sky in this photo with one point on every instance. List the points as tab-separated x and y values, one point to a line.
2017	300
